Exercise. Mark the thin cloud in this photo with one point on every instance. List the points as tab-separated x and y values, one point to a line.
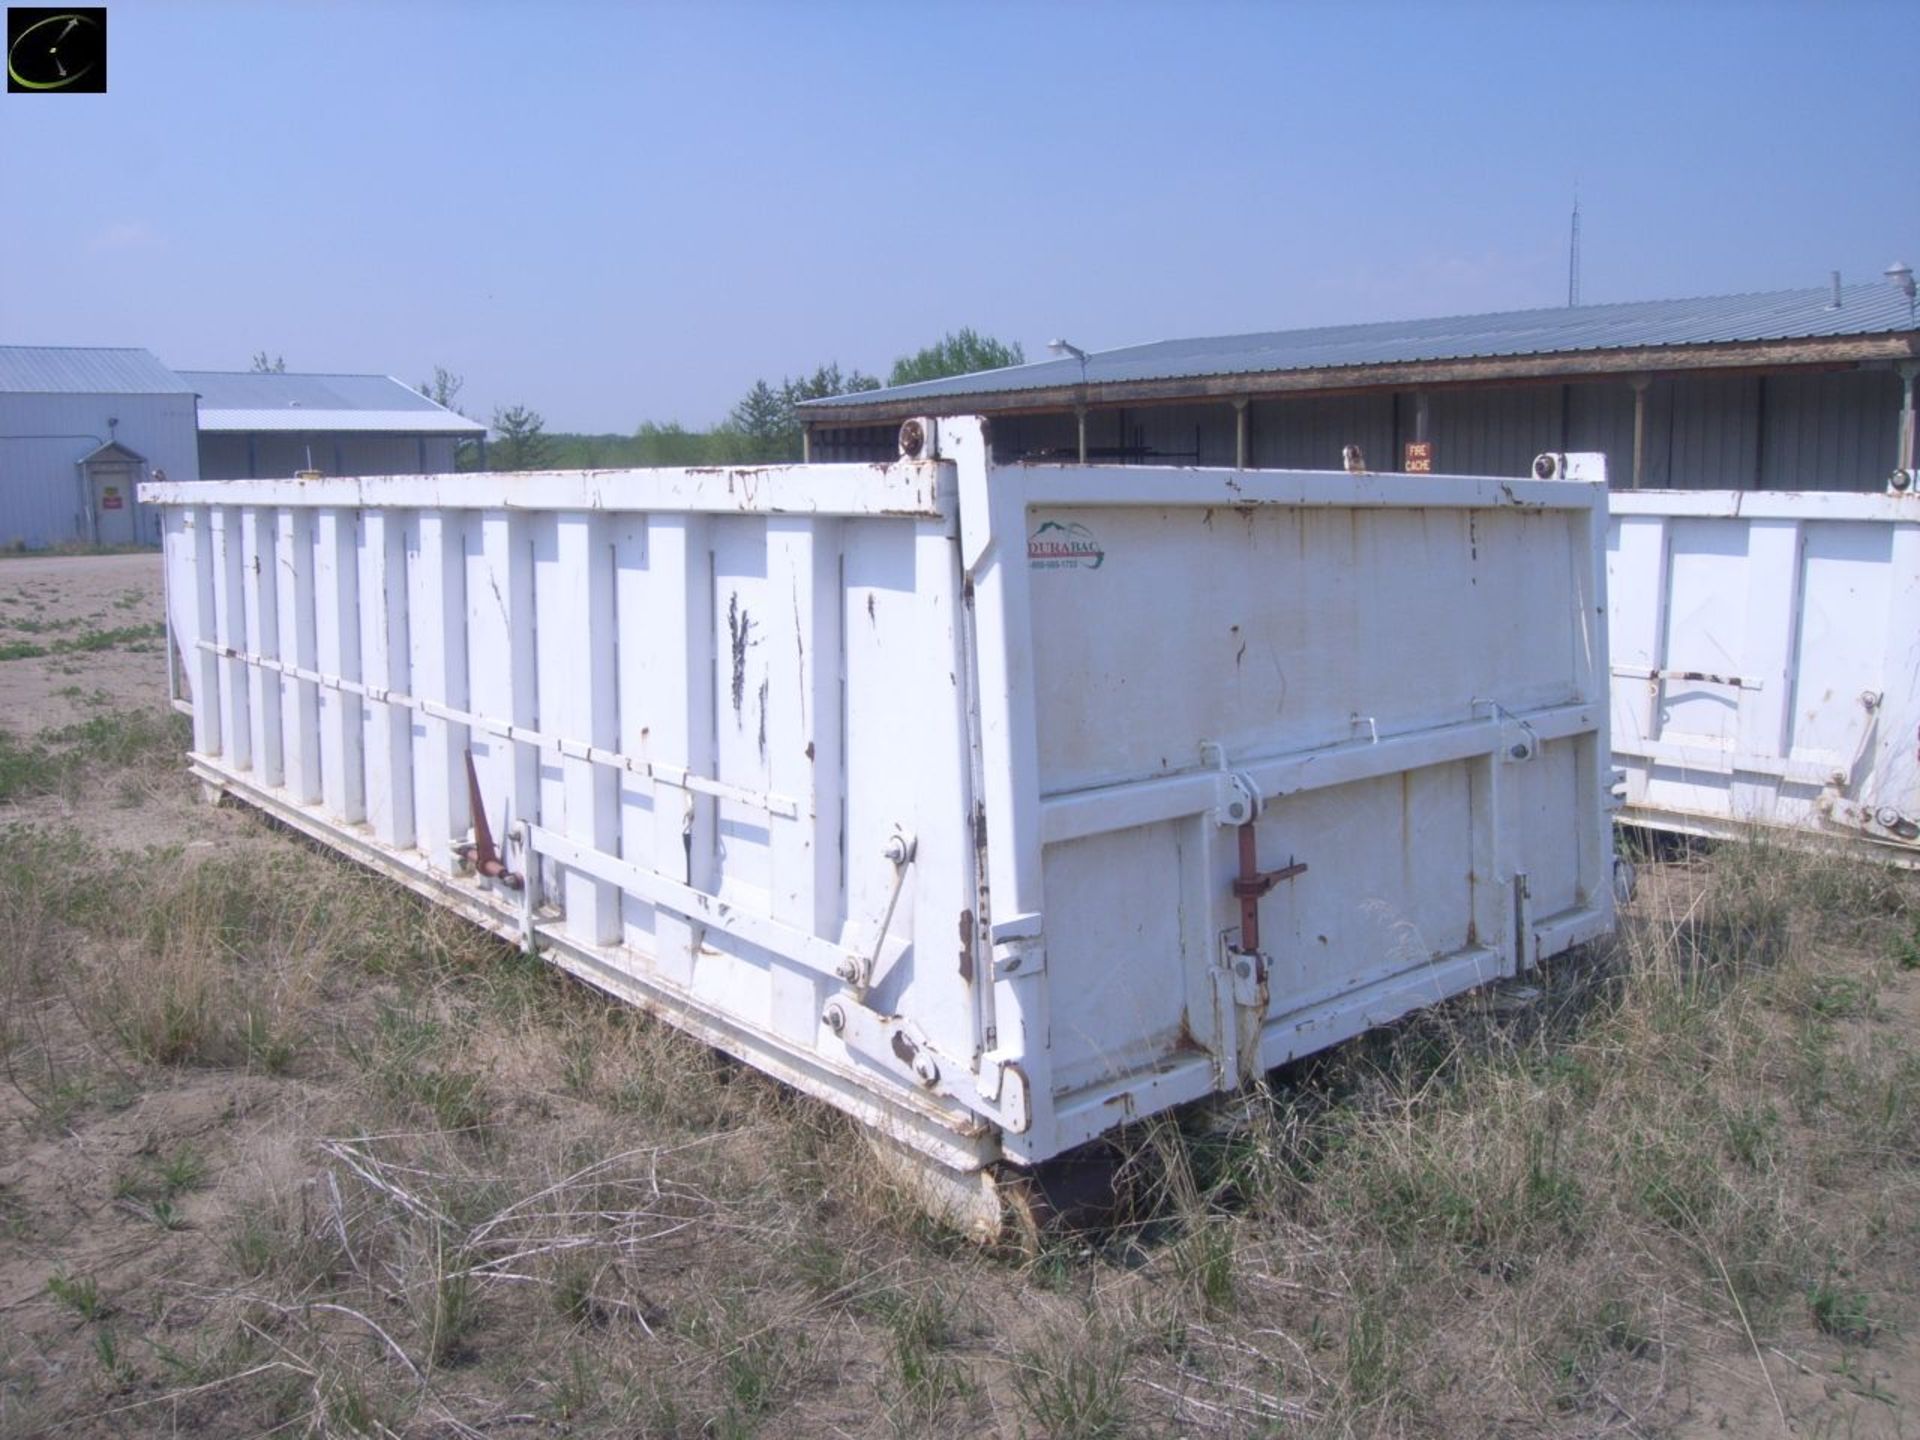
123	235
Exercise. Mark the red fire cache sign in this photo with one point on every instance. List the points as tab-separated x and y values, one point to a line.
1419	459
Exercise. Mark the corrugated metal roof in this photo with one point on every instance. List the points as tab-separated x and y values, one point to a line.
301	420
1779	315
85	370
253	400
112	450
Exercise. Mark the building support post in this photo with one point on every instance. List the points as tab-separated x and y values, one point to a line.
1421	415
1908	369
1240	446
1639	383
806	444
1080	423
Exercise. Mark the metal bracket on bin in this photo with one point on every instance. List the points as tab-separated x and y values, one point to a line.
1878	822
896	1044
858	973
1518	742
1238	800
1247	976
1017	947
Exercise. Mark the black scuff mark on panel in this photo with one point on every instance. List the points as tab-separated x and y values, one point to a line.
738	624
799	669
763	719
966	946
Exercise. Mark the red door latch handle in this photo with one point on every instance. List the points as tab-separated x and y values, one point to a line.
1252	882
482	853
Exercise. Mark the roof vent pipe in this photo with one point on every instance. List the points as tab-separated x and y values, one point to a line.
1901	274
1834	304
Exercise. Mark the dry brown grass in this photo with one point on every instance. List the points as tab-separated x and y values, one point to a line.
303	1155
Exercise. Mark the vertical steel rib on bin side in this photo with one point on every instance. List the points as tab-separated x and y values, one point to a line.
993	546
263	637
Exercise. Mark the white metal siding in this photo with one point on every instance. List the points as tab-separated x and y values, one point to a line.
40	494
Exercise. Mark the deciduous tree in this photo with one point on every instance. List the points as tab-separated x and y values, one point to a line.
960	352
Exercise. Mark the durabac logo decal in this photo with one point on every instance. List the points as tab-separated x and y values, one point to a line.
1071	546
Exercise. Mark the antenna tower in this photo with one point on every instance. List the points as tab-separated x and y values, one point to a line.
1573	255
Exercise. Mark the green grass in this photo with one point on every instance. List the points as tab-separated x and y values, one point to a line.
160	1178
78	1293
74	755
165	1214
413	1060
84	643
1074	1387
35	625
1906	949
1842	1313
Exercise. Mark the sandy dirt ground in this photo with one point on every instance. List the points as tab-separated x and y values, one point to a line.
61	598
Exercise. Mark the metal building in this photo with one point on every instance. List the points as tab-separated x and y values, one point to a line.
256	425
1798	389
79	429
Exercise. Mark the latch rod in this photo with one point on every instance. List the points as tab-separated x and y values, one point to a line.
482	853
1252	883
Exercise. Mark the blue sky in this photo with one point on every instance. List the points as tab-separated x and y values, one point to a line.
617	213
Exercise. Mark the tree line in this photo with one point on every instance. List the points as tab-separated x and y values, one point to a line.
763	427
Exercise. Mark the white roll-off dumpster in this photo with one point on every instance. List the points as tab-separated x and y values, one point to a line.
995	805
1766	665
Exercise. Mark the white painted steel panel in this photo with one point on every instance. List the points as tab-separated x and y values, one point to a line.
1766	664
921	786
